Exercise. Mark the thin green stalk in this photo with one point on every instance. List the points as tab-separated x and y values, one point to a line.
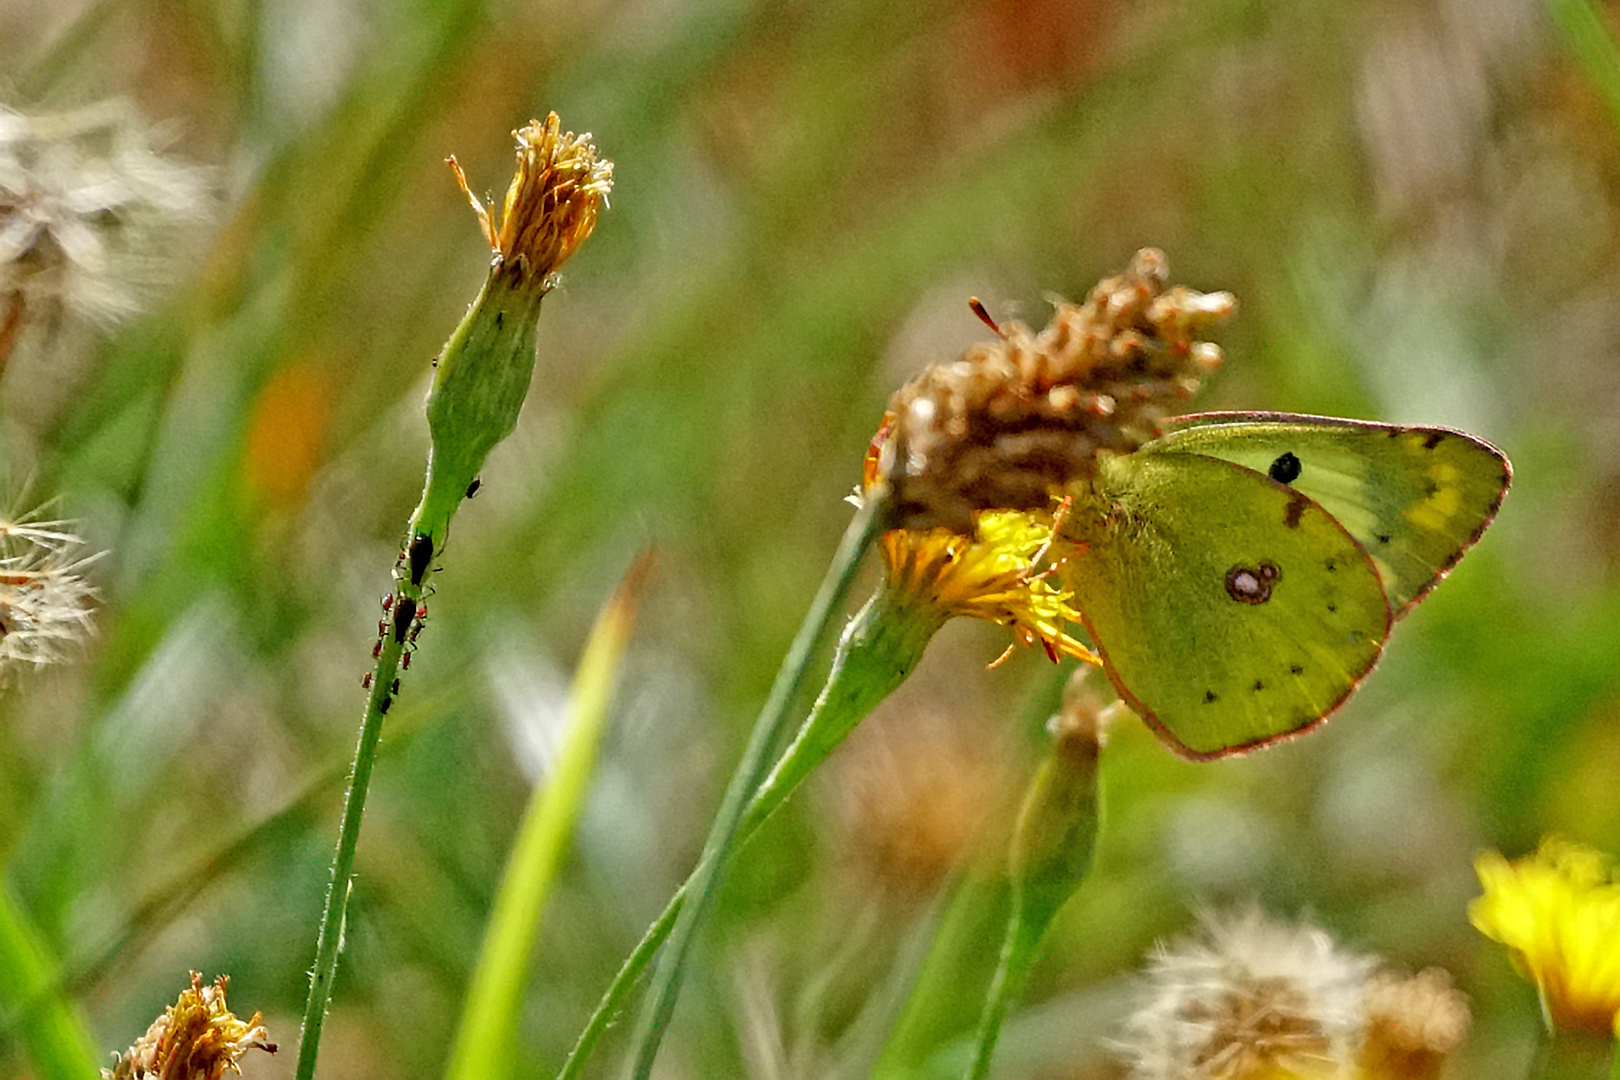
869	521
932	1013
480	379
876	653
57	1043
487	1035
1018	952
1614	1061
330	940
1573	1055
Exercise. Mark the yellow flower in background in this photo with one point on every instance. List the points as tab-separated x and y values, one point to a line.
991	575
1559	913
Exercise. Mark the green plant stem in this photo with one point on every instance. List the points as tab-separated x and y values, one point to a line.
329	942
1018	952
58	1046
1573	1055
870	520
876	652
1614	1061
932	1012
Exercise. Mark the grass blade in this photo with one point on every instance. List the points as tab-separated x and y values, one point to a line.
488	1030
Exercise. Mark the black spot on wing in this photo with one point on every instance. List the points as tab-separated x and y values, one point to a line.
1296	669
1210	697
1259	685
1286	469
1435	438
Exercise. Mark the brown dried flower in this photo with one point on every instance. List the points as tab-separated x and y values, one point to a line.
1014	420
196	1038
1414	1023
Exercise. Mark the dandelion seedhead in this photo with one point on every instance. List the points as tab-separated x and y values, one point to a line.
87	209
1250	998
1558	911
196	1038
44	599
1014	420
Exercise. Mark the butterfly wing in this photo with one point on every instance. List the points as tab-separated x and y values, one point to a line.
1230	610
1416	498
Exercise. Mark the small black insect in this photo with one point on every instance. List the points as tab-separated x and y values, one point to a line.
421	553
472	488
1286	469
404	614
382	706
394	686
365	680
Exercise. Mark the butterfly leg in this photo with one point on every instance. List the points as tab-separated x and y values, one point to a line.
1060	517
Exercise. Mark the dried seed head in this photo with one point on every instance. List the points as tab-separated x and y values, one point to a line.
196	1038
1014	420
86	207
551	206
1250	998
44	600
1414	1023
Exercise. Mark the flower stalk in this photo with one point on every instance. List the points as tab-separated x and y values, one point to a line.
1051	853
876	653
481	378
871	519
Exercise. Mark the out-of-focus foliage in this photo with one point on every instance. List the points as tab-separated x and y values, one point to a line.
1416	203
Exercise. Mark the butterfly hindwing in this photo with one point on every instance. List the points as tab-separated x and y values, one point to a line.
1415	498
1230	609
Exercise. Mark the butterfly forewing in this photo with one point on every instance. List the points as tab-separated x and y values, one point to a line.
1230	610
1415	498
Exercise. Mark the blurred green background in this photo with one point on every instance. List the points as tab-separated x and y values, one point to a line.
1415	202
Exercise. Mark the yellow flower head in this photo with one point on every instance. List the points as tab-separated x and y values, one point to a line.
990	575
552	204
1559	913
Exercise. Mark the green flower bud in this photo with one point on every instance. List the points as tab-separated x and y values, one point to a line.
483	372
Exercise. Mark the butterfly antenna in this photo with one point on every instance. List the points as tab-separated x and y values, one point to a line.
984	316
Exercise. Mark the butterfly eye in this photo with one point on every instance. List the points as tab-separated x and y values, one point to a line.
1285	470
1252	585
